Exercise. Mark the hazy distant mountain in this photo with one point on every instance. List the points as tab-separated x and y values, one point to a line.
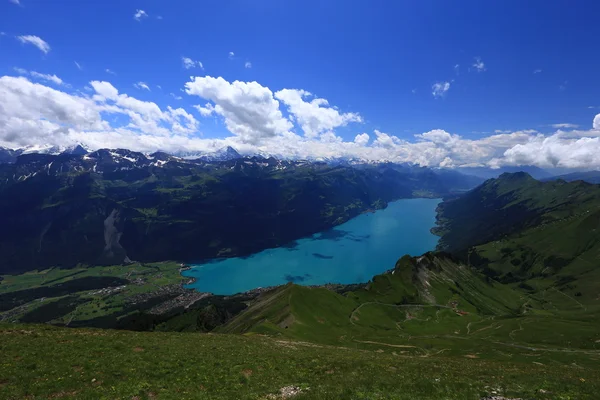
223	154
488	173
587	176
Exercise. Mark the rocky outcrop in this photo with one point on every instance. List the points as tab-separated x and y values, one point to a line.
113	252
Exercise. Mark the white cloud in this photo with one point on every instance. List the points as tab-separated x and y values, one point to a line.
144	116
105	90
188	63
139	15
554	151
439	89
32	113
231	55
159	17
17	2
142	85
44	77
249	109
108	71
479	65
564	126
36	41
537	71
205	111
315	116
248	64
77	65
457	69
173	95
362	139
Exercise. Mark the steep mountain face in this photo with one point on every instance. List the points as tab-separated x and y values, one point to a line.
8	155
542	236
111	206
509	204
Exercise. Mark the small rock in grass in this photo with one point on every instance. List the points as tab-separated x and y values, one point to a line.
286	392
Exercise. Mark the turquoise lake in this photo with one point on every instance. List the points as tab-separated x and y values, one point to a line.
353	252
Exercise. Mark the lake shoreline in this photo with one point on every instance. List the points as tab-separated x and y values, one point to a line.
348	254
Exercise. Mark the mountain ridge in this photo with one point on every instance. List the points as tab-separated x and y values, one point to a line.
67	208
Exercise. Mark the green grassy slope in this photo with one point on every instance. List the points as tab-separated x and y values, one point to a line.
426	306
41	362
508	205
544	238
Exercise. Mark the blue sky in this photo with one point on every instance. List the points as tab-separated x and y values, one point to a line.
538	60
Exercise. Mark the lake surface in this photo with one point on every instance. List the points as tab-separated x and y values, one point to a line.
353	252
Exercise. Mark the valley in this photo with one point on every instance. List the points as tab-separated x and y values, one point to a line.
515	292
114	206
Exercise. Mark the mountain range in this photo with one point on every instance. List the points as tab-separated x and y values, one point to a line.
115	206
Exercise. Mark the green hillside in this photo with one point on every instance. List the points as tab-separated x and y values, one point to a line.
540	237
512	311
508	205
425	305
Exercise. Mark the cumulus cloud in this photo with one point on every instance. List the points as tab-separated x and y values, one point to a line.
205	111
173	95
362	139
139	15
36	41
32	113
142	85
314	116
249	109
555	151
248	64
188	63
231	55
439	89
479	65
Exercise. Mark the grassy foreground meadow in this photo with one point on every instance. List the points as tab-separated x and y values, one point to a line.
41	362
